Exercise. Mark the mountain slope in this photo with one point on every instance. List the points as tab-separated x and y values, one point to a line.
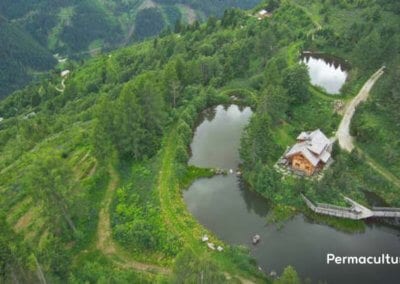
134	110
19	55
80	28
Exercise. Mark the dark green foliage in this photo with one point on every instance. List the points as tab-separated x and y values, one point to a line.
90	22
289	276
275	102
268	182
173	14
124	102
133	123
80	28
54	255
14	9
136	217
232	18
182	154
296	81
185	132
96	268
211	7
376	124
49	182
149	22
191	268
257	144
369	47
19	53
173	77
13	255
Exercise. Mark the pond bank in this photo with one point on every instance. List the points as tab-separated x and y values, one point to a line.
235	214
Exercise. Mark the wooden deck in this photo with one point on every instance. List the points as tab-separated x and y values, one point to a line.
355	212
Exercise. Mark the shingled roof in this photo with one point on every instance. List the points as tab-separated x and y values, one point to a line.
314	146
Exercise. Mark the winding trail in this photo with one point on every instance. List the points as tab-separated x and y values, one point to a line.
62	86
105	242
346	141
343	132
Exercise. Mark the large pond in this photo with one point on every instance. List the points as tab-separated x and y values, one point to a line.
224	206
326	71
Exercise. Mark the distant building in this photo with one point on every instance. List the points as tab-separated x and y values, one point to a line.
263	14
311	152
65	73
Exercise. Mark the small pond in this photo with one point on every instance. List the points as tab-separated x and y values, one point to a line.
234	213
326	71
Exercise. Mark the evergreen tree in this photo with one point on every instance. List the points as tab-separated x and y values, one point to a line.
49	182
296	82
289	276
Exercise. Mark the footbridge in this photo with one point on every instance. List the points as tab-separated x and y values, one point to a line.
356	211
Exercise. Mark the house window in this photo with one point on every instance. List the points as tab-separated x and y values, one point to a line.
296	164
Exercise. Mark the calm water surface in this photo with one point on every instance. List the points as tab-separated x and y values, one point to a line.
235	214
326	72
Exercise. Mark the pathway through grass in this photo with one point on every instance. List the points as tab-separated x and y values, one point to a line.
105	242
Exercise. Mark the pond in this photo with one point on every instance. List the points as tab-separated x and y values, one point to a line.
326	71
235	214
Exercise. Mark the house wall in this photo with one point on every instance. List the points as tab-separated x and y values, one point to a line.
302	164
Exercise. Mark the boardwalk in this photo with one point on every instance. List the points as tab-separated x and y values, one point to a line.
355	212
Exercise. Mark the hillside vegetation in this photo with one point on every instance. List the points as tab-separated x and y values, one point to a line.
78	29
366	34
116	141
19	53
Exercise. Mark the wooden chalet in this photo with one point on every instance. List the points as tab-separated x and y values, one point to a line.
311	152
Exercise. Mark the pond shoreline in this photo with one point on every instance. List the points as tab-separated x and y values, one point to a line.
234	213
326	71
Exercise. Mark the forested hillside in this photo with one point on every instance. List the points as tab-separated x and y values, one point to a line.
366	34
77	29
91	176
19	53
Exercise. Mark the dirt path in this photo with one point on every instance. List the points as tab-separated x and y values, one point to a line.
343	132
106	244
62	86
104	235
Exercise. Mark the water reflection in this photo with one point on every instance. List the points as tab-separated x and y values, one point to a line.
224	206
254	202
326	71
209	114
216	142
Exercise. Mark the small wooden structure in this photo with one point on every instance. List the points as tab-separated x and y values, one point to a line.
355	212
311	152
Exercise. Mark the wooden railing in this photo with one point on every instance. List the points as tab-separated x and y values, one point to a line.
355	212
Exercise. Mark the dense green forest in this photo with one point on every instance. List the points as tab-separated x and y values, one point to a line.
19	53
91	176
33	30
368	39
